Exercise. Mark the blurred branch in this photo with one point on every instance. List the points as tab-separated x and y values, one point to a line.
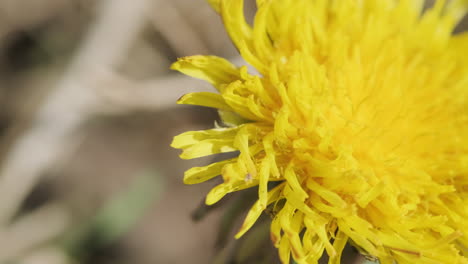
116	217
37	227
70	103
47	255
122	95
170	18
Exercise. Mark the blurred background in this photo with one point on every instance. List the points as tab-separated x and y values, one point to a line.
87	116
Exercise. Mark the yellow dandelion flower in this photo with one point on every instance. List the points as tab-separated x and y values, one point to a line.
359	113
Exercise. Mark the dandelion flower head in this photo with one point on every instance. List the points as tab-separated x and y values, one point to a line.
355	125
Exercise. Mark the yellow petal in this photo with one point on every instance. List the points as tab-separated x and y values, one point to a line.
197	144
291	223
257	209
268	145
459	43
364	199
241	142
200	174
218	192
357	237
212	69
275	231
239	103
456	9
330	196
240	32
208	147
215	4
207	99
313	246
339	244
234	20
320	229
294	183
193	137
285	250
231	118
263	45
264	176
261	2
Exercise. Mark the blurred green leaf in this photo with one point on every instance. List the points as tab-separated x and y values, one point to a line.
116	218
121	213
